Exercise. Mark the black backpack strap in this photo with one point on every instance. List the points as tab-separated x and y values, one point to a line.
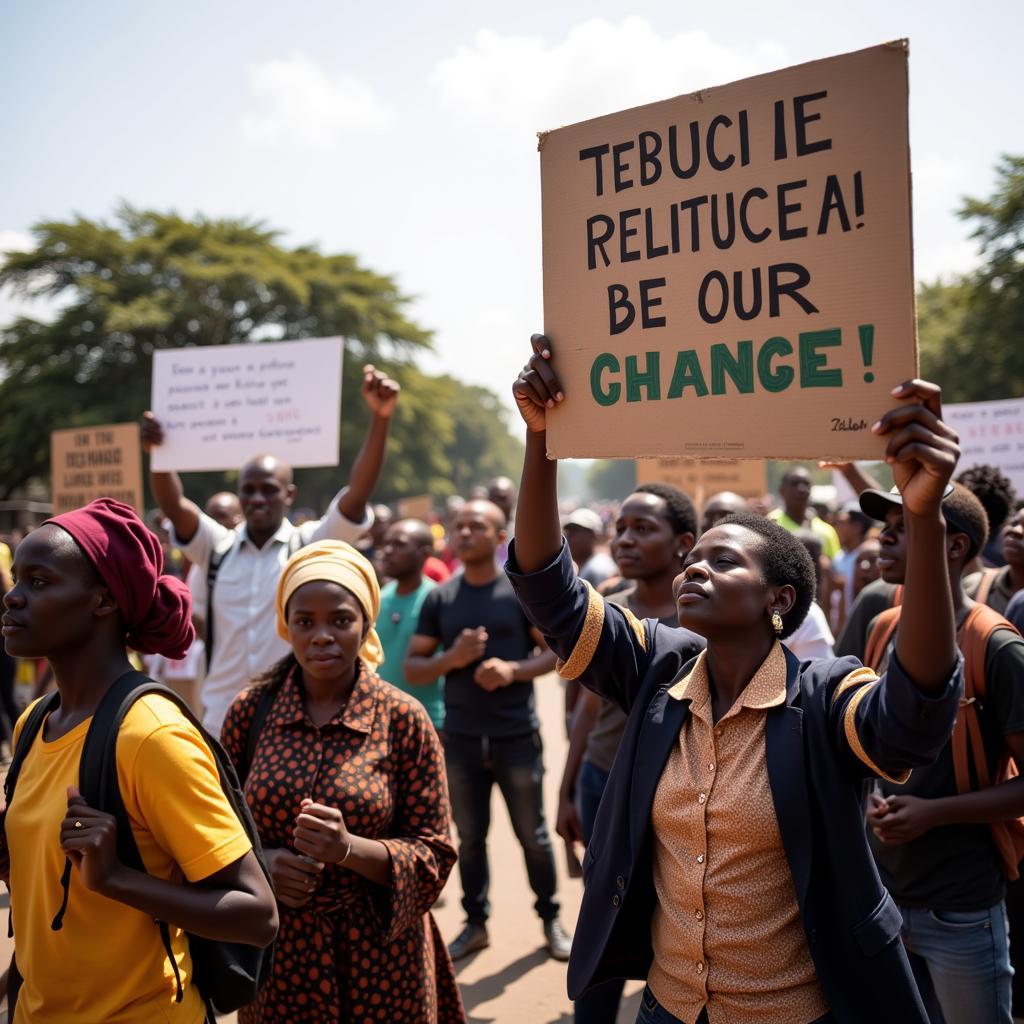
268	694
27	736
212	571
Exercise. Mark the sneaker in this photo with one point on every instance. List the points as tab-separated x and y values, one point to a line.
559	941
471	939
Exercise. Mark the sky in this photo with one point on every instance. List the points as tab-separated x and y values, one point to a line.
405	133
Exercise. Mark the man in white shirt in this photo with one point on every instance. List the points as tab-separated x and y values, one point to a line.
247	561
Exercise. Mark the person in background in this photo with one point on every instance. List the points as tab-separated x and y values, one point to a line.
865	568
452	507
812	638
89	584
654	531
729	865
406	548
502	492
933	840
720	505
489	656
240	646
346	784
796	512
851	526
584	531
996	587
997	496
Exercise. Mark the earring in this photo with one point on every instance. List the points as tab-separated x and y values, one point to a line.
777	622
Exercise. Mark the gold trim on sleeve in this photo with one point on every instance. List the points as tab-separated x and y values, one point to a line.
638	628
855	678
853	737
590	636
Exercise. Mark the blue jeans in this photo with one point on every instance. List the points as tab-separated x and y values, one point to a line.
962	963
516	764
652	1012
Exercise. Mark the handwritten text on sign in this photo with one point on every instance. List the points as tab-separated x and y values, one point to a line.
222	405
96	462
729	273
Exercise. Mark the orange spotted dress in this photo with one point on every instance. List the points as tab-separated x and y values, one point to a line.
357	951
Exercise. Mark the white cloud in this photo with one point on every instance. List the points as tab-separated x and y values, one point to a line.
942	246
303	104
523	82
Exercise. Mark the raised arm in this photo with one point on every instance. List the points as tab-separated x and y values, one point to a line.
923	452
380	393
166	487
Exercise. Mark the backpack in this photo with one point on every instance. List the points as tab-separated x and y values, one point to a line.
220	553
972	639
228	975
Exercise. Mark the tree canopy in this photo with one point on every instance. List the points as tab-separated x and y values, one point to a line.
149	280
971	330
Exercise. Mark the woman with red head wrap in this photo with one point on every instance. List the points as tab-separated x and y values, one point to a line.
87	586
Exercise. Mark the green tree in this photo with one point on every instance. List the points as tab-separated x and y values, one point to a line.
150	280
971	329
611	479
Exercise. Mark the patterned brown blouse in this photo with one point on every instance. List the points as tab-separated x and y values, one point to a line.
356	951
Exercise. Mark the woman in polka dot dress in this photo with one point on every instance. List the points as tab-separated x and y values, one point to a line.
348	789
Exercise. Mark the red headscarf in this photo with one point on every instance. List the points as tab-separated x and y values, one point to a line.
157	609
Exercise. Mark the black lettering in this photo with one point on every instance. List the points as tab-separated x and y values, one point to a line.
618	299
691	206
833	200
750	235
791	289
715	277
785	209
594	242
713	158
673	151
595	153
803	119
650	165
723	239
619	166
648	301
627	255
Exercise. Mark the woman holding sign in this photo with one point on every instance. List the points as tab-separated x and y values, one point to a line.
729	866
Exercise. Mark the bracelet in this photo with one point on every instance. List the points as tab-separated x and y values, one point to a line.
347	852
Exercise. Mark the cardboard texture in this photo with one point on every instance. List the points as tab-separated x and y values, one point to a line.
729	274
96	462
419	507
701	478
221	405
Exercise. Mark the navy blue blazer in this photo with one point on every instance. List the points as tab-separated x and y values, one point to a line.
839	725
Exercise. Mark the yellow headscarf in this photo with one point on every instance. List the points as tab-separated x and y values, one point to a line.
336	562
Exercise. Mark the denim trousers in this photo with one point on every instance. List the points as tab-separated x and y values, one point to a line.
516	764
961	961
652	1012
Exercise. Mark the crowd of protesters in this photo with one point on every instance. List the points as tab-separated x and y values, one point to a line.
777	818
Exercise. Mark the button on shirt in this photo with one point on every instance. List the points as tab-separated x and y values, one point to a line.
245	640
726	932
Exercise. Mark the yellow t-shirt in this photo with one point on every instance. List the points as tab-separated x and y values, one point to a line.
107	963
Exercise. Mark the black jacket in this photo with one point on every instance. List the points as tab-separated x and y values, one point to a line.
820	745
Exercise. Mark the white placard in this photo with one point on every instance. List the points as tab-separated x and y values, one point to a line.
220	405
991	433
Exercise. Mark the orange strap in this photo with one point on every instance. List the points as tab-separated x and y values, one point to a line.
880	636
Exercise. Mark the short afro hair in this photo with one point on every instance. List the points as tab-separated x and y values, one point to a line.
681	513
970	515
993	490
784	561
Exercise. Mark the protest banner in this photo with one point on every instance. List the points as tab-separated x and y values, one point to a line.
220	405
991	433
700	478
419	507
96	462
729	273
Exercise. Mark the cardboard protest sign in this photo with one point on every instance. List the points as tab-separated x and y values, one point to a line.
701	478
220	405
729	274
96	462
991	433
419	507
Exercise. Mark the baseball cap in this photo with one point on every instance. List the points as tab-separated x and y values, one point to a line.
878	503
585	519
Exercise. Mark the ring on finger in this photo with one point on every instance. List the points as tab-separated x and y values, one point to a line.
78	824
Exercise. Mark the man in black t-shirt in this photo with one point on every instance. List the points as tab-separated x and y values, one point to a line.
933	845
489	657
